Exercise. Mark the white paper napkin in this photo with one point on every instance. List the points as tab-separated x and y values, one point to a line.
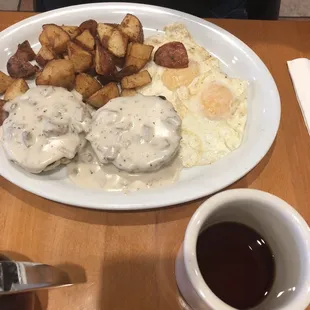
300	73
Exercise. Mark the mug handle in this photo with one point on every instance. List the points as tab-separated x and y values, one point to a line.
17	277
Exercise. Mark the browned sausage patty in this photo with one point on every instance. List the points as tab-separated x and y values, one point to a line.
172	55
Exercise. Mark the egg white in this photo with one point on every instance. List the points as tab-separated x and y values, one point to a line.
205	139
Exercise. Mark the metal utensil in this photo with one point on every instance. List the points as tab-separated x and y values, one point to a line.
17	277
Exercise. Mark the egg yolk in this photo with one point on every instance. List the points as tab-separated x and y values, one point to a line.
175	78
216	100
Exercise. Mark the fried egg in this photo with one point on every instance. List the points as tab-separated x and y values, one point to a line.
167	82
212	105
213	117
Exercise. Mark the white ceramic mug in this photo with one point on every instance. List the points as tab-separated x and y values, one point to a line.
285	231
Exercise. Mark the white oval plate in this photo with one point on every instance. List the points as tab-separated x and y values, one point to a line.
237	59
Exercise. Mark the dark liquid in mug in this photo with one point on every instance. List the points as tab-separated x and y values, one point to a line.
236	263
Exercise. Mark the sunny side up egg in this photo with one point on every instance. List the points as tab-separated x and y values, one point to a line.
166	81
213	106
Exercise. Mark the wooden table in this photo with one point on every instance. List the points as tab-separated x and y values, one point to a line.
128	257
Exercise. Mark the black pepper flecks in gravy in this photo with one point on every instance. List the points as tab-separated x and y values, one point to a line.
136	134
86	171
134	141
45	126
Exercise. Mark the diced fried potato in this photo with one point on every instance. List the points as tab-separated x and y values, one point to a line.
86	40
86	85
54	37
138	55
25	52
59	72
39	72
3	114
113	25
91	25
117	43
17	88
136	80
104	95
72	31
132	27
141	51
20	68
104	63
44	55
104	33
18	65
128	92
112	39
66	56
5	82
81	59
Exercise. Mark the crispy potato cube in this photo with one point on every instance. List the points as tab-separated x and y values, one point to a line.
113	25
18	65
59	72
86	40
104	33
104	95
5	82
112	39
104	63
86	85
25	52
81	59
72	31
91	25
128	92
132	28
17	88
39	72
138	55
44	55
117	43
3	114
136	80
54	37
19	68
140	51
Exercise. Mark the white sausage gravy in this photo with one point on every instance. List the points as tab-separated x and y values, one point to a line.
133	145
86	171
133	142
136	134
46	126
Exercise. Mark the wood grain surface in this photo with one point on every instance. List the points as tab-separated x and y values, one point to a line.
127	258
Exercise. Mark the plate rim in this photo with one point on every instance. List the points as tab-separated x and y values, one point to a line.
175	200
